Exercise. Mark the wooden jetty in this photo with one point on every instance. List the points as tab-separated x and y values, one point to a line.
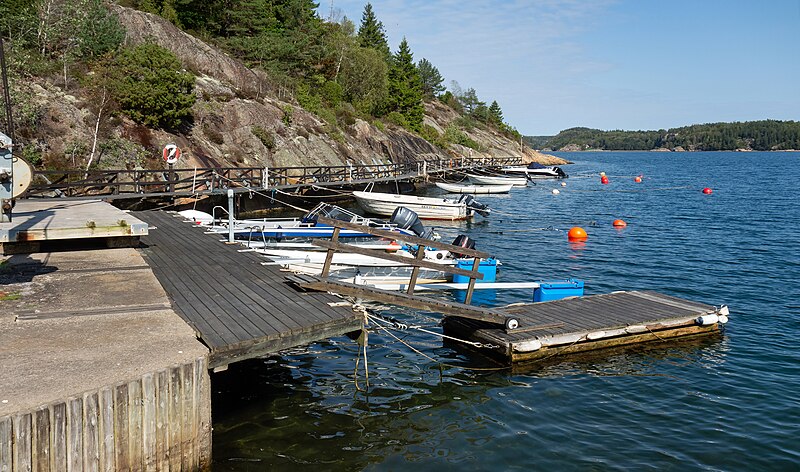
528	331
588	323
238	307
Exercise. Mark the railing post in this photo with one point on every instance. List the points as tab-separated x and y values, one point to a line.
230	215
326	268
415	271
476	263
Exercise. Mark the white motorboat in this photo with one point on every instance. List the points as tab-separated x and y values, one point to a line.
498	180
425	207
474	189
534	170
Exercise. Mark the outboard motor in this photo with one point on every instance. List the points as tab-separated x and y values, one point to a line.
475	205
462	240
560	172
407	219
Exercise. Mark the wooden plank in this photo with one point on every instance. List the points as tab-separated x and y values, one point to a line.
174	419
40	449
6	441
135	424
395	258
75	434
405	238
199	404
121	449
107	454
59	437
402	299
162	420
149	450
91	432
188	429
22	443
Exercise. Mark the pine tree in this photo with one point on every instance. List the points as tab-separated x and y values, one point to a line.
495	113
405	87
371	33
431	78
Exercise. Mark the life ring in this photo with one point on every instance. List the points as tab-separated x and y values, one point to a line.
171	153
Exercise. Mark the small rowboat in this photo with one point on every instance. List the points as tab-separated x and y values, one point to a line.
474	189
498	180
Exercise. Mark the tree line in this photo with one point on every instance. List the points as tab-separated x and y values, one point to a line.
765	135
333	68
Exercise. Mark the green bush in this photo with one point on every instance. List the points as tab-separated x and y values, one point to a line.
331	93
266	137
430	134
454	135
150	87
397	118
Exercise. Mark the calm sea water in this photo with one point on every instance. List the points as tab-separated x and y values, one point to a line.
726	402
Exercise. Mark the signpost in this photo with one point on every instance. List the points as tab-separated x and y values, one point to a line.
171	154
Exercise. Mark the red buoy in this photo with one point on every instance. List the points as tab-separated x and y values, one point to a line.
638	179
620	223
707	191
577	234
604	180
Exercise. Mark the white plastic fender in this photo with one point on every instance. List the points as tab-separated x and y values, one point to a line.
528	346
707	320
724	311
635	329
723	319
596	335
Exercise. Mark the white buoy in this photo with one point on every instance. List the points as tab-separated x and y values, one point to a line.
563	184
706	320
555	191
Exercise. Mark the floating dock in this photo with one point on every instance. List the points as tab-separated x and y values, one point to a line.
580	324
238	307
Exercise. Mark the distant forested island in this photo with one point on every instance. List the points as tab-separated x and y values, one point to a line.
766	135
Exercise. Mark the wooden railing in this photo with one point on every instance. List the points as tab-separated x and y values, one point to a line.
408	299
72	183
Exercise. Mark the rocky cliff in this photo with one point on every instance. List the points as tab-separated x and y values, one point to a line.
241	118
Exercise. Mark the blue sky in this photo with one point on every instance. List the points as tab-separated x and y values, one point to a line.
625	64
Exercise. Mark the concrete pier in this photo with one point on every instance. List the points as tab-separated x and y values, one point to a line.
97	372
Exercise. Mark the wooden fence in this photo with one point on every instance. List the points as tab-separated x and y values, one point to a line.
181	181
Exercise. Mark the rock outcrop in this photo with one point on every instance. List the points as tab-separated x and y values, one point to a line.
242	119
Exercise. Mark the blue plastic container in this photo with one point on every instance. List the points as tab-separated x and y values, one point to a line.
557	289
487	267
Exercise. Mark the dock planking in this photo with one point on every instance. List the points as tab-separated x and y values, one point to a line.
239	308
587	323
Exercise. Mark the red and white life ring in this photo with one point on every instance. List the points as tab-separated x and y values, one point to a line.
171	153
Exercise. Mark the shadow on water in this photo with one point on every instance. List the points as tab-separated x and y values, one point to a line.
282	413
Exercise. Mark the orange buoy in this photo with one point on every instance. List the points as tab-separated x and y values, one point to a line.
577	234
604	180
619	223
707	191
638	179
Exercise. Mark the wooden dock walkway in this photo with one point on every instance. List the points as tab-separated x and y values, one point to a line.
587	323
238	307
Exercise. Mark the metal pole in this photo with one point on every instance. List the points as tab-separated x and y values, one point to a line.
230	215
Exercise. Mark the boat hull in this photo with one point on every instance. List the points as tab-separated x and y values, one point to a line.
425	207
498	180
474	189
